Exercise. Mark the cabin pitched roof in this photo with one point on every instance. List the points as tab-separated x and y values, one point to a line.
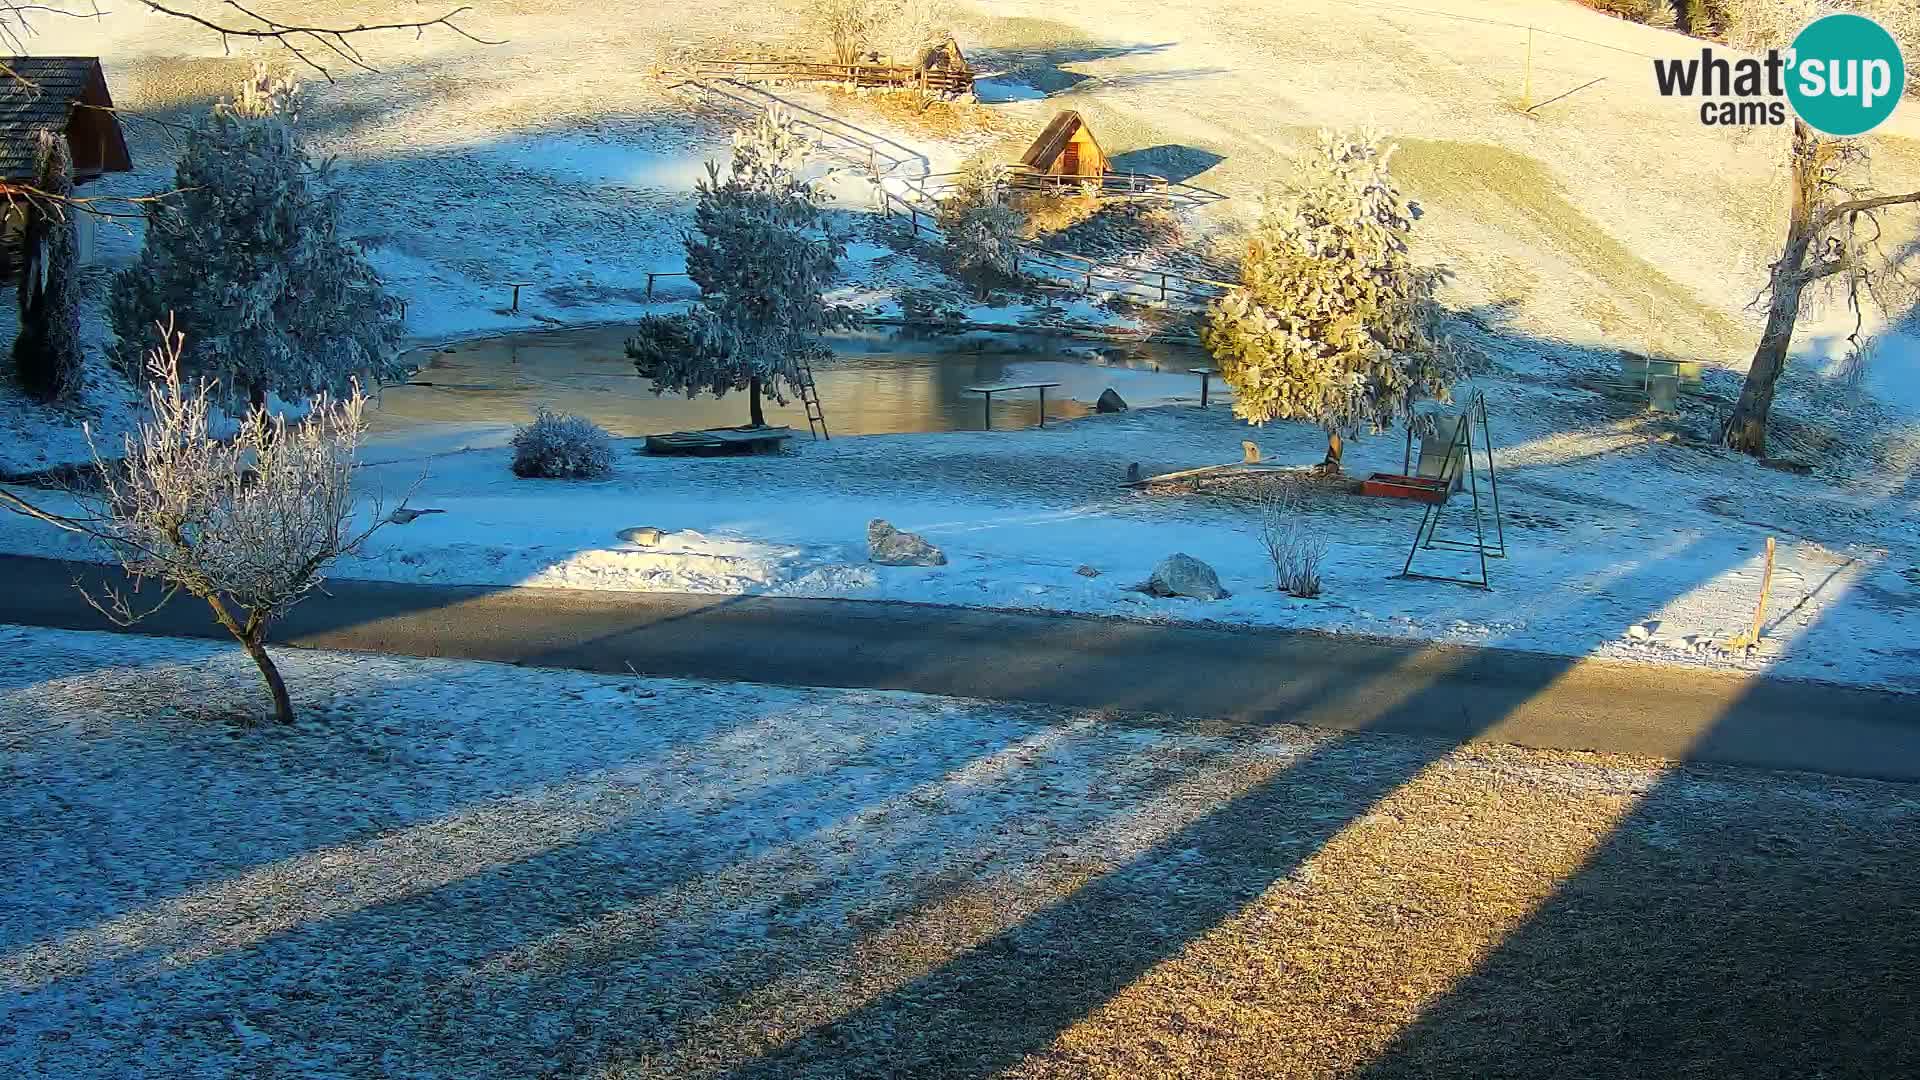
1053	139
42	92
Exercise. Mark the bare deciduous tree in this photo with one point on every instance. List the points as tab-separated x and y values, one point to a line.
1833	241
249	526
1834	229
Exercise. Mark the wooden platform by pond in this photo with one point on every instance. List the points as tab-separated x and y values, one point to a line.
714	442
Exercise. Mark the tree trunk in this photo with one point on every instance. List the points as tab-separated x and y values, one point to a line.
1746	429
282	703
253	638
1335	448
1747	426
753	402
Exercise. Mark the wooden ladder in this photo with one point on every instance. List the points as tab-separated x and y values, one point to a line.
810	397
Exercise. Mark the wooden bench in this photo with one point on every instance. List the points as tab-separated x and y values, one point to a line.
987	393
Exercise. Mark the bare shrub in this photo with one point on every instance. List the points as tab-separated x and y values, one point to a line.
1652	12
248	526
1050	212
1161	226
561	446
1292	546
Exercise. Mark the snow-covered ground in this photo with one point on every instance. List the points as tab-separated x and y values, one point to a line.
469	870
1625	538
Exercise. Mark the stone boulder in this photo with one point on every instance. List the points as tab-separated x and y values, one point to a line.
1180	574
889	546
644	535
1110	401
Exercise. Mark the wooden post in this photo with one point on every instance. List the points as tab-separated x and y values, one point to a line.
649	288
1526	91
1088	291
517	286
1163	299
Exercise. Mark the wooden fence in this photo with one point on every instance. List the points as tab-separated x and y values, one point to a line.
894	76
1077	271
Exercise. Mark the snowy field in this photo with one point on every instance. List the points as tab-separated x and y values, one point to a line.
558	158
1625	539
622	877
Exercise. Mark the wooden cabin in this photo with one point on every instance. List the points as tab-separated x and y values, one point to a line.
1066	148
67	94
945	56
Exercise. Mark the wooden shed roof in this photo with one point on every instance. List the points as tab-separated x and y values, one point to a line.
944	56
41	92
1053	139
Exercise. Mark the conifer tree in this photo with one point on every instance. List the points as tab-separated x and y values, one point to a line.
1332	322
47	353
763	254
249	259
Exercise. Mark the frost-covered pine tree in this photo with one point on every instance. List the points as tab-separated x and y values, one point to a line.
763	254
981	231
1332	322
47	353
247	254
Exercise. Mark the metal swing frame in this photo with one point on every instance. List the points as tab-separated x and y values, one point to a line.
1461	454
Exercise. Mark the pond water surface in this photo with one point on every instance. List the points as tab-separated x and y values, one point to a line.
876	384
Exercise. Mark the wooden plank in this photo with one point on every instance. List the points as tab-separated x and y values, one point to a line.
1011	386
1209	470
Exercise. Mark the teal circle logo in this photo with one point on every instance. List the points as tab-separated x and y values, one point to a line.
1847	75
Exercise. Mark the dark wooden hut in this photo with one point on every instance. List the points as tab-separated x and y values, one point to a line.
67	94
1066	148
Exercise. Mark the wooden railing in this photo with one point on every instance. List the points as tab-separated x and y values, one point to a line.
898	76
1078	271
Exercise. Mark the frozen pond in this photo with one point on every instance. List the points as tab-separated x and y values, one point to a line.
876	383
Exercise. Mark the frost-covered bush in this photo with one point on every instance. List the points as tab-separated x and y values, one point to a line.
1332	322
560	446
247	254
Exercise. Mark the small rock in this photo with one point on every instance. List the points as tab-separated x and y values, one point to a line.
889	546
1639	632
404	515
1086	571
1109	402
644	535
1181	574
1249	453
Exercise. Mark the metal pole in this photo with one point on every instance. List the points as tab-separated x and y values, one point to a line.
1526	93
1043	406
649	288
986	411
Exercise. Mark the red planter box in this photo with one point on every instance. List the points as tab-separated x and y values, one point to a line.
1395	486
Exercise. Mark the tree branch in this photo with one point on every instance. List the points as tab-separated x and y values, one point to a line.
334	39
1839	210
